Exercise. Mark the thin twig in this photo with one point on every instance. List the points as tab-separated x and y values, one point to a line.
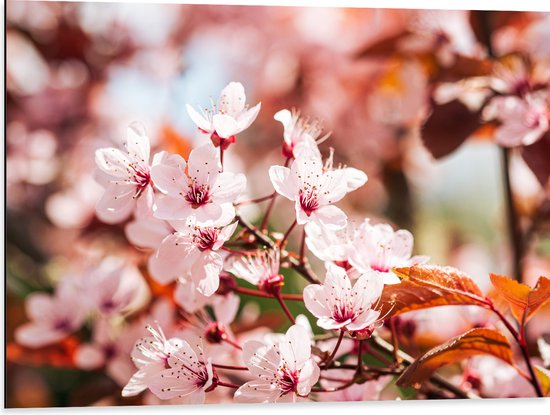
257	293
435	379
285	309
514	230
333	354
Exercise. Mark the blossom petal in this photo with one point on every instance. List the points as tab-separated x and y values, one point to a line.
204	164
257	391
283	183
141	379
201	122
296	347
117	203
172	208
309	375
147	232
137	144
206	272
247	118
262	360
113	162
355	178
168	173
316	300
172	259
228	187
232	99
331	217
37	335
225	125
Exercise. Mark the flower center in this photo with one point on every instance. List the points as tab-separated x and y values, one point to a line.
198	195
341	313
288	380
205	238
309	201
62	325
141	178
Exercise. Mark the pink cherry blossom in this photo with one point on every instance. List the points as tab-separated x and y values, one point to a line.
229	118
331	245
523	120
379	248
191	251
186	374
338	305
150	355
298	131
206	193
126	175
146	231
313	191
260	269
53	317
115	288
283	372
213	323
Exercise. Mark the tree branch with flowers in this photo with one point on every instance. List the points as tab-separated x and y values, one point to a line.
186	217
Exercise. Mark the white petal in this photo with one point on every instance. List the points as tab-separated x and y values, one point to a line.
137	144
309	375
283	183
113	162
330	216
204	164
168	173
171	260
247	118
296	348
225	125
228	187
117	203
199	120
172	208
206	272
232	99
257	391
262	360
316	300
147	232
355	178
225	233
402	244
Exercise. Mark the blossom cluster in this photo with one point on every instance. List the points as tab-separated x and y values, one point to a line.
184	213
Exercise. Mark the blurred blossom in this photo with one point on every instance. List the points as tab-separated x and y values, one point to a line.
27	72
32	155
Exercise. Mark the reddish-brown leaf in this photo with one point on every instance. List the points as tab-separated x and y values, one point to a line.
448	126
514	293
473	342
426	286
538	296
537	157
522	300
